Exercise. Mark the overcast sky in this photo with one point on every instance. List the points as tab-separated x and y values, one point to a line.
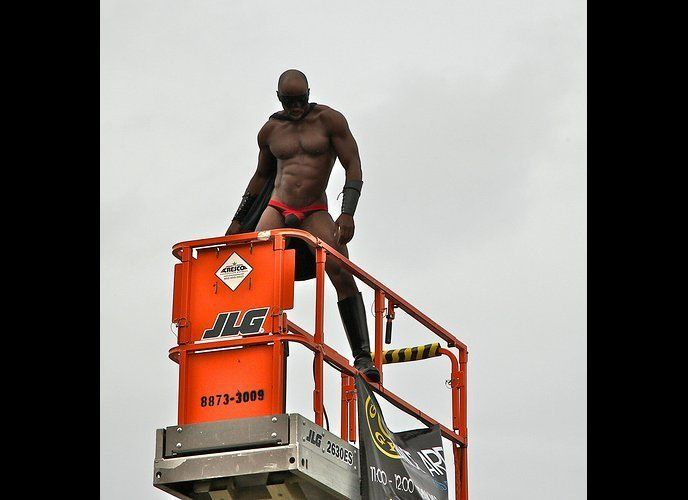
471	122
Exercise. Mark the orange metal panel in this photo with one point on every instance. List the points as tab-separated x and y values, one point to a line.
232	383
210	296
226	293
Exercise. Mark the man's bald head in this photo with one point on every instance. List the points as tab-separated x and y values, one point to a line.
292	82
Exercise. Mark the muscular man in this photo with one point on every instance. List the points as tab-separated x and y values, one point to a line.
298	148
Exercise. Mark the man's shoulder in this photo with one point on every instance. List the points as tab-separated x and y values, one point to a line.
326	111
269	123
330	116
265	130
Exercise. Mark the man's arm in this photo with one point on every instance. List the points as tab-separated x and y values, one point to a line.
267	163
347	150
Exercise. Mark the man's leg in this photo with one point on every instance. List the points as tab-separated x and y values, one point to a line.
350	301
271	219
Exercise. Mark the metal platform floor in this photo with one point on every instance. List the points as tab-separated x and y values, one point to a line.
263	458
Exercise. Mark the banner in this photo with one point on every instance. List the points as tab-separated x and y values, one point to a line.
403	465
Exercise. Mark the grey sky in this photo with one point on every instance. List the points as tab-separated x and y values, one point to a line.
470	118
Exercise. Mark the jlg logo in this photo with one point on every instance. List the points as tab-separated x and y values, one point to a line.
314	437
226	323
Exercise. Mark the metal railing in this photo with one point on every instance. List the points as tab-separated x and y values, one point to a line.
385	300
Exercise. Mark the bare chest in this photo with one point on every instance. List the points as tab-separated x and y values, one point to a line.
292	140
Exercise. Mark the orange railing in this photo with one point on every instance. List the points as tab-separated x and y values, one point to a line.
385	300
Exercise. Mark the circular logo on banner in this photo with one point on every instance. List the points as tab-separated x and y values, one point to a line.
379	431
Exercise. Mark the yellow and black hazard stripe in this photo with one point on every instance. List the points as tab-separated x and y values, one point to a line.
411	353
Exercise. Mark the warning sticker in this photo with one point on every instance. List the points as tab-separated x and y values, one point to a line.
234	271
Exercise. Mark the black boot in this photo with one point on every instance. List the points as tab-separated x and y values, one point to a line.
353	315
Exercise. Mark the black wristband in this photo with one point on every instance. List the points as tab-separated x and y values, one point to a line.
245	205
352	191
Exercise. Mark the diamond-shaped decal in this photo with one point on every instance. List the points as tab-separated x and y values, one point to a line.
234	271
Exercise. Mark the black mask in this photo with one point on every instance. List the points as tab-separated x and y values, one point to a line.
289	101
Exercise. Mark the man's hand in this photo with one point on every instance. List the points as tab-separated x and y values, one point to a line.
233	228
344	230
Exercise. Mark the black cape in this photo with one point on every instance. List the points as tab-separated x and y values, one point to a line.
305	261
